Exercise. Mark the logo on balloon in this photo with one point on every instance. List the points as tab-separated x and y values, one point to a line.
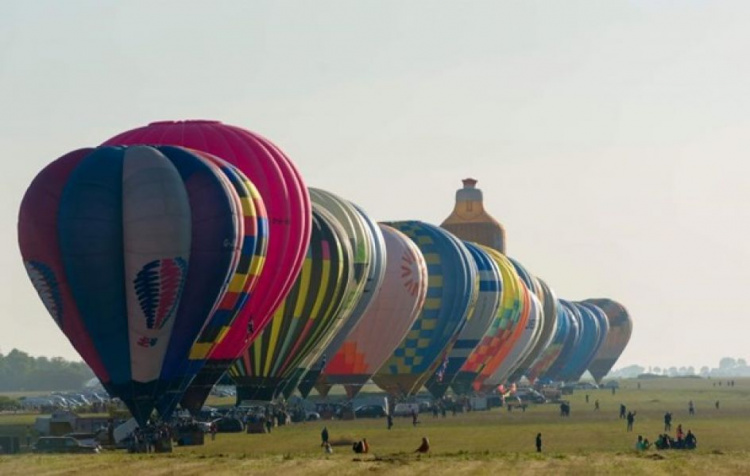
46	285
407	271
158	286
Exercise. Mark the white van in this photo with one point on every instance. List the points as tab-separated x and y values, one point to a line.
405	409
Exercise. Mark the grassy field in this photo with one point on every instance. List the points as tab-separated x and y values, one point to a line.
588	442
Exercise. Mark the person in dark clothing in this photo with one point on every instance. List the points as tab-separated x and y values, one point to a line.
668	421
596	404
538	442
358	447
631	419
690	441
691	408
324	436
622	411
389	419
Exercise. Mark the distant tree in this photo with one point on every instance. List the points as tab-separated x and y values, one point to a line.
705	371
19	371
727	363
657	370
741	363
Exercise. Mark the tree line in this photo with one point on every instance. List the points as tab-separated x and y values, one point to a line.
21	372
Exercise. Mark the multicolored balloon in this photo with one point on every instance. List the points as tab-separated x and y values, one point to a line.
504	329
392	312
450	294
368	273
305	316
549	325
483	313
131	249
289	217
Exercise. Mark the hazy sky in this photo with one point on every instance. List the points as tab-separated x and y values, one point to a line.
610	138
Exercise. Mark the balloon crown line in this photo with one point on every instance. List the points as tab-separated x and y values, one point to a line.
185	121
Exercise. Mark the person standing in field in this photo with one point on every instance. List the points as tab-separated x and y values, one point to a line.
668	421
631	419
596	405
389	420
622	411
324	436
717	404
691	408
538	442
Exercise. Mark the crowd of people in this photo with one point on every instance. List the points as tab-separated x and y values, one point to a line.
665	442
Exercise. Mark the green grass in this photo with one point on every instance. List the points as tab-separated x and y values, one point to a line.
588	442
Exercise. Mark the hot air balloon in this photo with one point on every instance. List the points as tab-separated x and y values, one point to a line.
386	321
469	221
550	354
531	334
130	250
289	219
549	325
572	339
246	273
504	329
484	312
584	348
367	244
620	328
600	322
502	352
521	346
450	295
304	317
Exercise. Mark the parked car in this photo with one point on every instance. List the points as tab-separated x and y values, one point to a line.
62	444
88	439
229	425
370	411
530	396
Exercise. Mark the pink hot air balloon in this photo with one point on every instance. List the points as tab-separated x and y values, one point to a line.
289	218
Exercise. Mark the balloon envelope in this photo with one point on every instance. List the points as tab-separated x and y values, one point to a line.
395	307
110	239
550	354
521	346
303	318
504	329
367	245
572	338
620	329
483	313
549	325
585	347
289	218
450	293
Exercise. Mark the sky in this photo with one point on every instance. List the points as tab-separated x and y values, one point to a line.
610	138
